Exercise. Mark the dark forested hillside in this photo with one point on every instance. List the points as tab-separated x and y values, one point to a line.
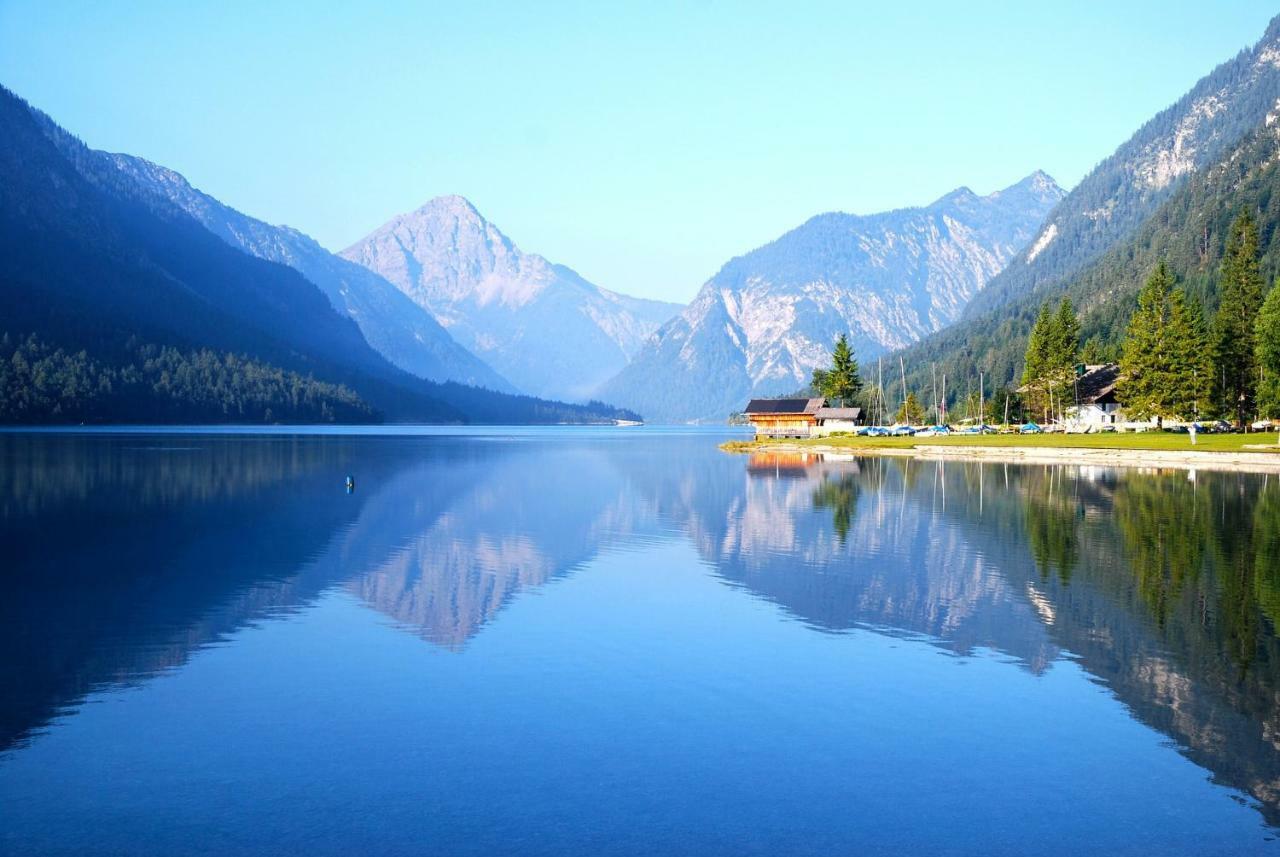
88	264
42	384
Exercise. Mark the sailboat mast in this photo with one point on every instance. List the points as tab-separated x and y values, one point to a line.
903	367
880	389
937	413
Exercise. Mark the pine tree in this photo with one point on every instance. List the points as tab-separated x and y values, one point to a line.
1147	360
1267	354
841	381
911	412
1052	350
1066	332
1240	297
1035	368
1064	349
1191	358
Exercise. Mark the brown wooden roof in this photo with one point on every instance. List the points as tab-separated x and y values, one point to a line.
1098	383
808	407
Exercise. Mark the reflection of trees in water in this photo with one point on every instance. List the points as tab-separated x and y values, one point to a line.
43	472
1168	590
1053	518
1165	527
840	495
1266	564
1165	586
1171	602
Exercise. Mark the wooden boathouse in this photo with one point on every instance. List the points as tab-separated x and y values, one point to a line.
783	417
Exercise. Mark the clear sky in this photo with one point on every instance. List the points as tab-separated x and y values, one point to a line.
643	145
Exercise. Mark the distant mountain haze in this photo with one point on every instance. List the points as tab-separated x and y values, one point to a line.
541	325
767	319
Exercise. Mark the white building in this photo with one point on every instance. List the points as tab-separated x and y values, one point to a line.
1095	396
831	420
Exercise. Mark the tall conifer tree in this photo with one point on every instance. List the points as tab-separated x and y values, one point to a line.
1147	362
841	381
1052	350
1240	297
1191	358
1037	361
1267	353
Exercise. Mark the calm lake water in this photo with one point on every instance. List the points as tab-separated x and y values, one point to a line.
596	642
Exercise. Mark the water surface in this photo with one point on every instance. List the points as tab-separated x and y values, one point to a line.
575	641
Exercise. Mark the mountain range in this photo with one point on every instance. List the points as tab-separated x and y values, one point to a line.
540	324
766	320
130	294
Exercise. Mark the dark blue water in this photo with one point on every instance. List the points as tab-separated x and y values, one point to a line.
626	642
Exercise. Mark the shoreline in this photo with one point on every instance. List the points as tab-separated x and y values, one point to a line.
1260	461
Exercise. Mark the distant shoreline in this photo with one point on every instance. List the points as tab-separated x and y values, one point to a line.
1251	458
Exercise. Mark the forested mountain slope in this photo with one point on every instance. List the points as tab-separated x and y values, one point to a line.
1117	196
1151	193
1188	232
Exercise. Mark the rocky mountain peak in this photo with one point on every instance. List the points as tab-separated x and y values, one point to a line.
550	328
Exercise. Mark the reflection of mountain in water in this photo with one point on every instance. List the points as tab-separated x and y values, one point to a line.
125	555
842	545
128	554
509	525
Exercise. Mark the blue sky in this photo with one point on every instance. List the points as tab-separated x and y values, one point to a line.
643	144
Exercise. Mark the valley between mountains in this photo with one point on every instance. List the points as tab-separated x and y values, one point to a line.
131	292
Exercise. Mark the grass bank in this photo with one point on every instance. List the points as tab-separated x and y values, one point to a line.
1261	443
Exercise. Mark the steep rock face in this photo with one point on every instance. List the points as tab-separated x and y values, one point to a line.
1121	192
399	329
539	324
767	319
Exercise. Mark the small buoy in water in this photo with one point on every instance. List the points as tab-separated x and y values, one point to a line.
351	484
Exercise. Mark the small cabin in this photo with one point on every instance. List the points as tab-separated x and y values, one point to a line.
784	417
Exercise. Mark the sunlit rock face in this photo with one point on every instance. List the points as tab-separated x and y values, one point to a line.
764	322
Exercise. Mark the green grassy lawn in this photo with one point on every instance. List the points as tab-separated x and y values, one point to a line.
1139	440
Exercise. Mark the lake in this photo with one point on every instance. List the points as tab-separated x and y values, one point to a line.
624	641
